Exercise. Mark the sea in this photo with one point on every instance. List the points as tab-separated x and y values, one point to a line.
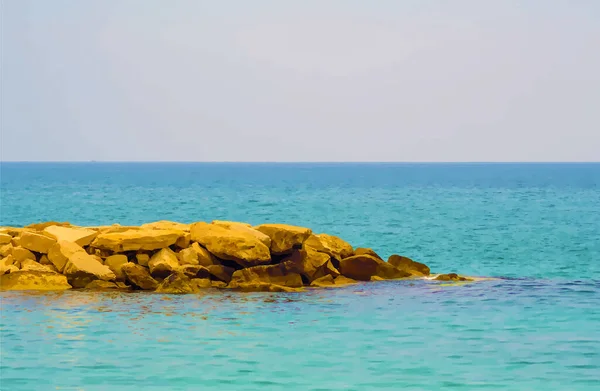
533	228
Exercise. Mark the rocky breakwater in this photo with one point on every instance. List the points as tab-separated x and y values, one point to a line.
170	257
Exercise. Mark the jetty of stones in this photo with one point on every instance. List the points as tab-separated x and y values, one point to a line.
171	257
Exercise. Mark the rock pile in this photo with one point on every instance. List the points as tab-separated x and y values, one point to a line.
170	257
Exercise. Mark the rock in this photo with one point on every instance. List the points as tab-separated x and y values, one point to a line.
33	280
20	254
6	250
284	238
342	281
31	265
331	245
184	241
99	285
188	256
408	265
194	271
82	268
166	225
323	281
366	251
221	272
163	263
36	242
136	240
81	236
142	259
244	227
45	261
310	263
377	278
42	226
114	263
60	253
201	283
264	287
451	277
285	273
363	267
139	276
231	244
7	265
177	283
218	284
5	238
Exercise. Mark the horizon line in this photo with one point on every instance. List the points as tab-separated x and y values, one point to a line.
301	162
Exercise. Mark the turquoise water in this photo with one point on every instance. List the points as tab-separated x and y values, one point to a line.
535	226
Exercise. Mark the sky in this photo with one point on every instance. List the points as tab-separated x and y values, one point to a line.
345	80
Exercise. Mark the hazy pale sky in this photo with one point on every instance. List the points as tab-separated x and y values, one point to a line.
303	80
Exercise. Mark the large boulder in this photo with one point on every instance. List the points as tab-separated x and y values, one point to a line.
285	273
137	239
408	265
31	265
284	238
311	264
82	268
163	263
366	251
20	254
220	272
115	263
177	283
34	241
168	225
139	276
331	245
33	280
363	267
60	253
196	255
5	238
81	236
231	244
244	227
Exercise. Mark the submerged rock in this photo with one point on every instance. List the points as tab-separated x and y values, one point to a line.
363	267
284	238
139	276
33	280
177	283
264	287
100	285
201	283
451	277
408	265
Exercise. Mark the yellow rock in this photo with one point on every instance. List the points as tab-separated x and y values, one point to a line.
36	242
377	278
218	284
280	274
366	251
451	277
31	265
202	283
115	263
168	225
342	281
142	259
99	285
221	272
33	280
81	236
231	244
7	265
284	238
139	276
136	240
323	281
21	254
12	231
184	241
60	253
5	238
177	283
6	250
363	267
329	244
310	263
82	268
244	227
408	265
41	226
115	228
163	263
194	271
